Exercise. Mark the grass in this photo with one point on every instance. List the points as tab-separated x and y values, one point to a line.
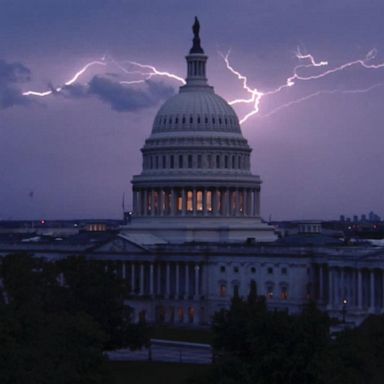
182	334
134	372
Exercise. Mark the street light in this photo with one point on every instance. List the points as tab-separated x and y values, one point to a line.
344	309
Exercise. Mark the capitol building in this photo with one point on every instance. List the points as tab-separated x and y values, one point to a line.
195	238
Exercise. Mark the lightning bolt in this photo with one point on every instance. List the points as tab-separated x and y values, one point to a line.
323	92
256	95
75	77
143	70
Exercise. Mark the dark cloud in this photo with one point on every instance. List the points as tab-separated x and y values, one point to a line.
127	98
12	74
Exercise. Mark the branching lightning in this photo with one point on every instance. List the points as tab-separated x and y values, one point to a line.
137	73
256	95
76	76
144	71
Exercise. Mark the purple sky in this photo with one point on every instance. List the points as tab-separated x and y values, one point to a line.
73	154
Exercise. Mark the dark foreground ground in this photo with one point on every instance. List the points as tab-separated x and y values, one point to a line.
152	372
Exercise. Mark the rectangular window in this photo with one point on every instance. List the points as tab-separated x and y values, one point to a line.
199	161
209	201
180	161
199	201
189	201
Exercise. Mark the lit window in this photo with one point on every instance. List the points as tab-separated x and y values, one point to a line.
284	293
209	201
199	200
269	292
179	202
189	201
223	290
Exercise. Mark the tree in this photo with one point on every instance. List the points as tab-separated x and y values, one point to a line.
255	345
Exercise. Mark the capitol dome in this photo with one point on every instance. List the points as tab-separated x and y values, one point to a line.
196	182
196	110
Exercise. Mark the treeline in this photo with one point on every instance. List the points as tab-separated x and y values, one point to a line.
254	345
57	318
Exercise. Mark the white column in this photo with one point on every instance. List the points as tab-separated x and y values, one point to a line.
145	213
372	291
173	202
177	281
227	200
342	283
183	201
139	204
168	281
359	289
133	287
257	201
152	202
330	287
158	279
186	294
151	279
237	208
197	282
141	280
161	201
134	193
204	192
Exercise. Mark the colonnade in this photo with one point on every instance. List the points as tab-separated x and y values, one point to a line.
351	288
168	280
184	201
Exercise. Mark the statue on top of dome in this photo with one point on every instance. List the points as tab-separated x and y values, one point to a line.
196	48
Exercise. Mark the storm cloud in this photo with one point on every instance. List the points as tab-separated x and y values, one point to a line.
126	98
12	74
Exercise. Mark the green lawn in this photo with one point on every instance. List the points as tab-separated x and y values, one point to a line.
182	334
133	372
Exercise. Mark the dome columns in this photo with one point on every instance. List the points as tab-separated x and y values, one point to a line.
197	201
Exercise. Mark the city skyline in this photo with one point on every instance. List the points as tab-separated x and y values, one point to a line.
72	154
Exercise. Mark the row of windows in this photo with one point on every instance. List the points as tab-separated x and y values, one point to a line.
269	290
270	270
228	120
196	161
